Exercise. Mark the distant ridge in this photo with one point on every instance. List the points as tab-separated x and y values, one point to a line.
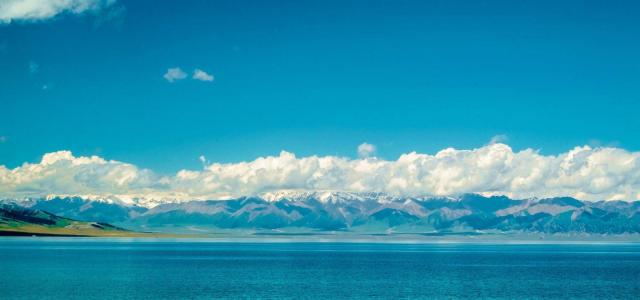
359	212
16	220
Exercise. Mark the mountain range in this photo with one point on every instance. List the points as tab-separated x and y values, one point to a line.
20	221
355	212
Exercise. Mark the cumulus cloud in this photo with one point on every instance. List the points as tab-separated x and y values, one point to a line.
174	74
583	172
38	10
365	150
202	75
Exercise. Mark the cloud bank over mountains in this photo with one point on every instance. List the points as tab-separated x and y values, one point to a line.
585	173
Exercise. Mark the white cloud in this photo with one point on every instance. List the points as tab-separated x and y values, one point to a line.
37	10
584	172
3	139
203	160
365	150
202	75
174	74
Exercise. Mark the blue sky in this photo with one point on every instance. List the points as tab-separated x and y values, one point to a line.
318	78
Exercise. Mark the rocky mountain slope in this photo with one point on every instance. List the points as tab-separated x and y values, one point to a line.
16	220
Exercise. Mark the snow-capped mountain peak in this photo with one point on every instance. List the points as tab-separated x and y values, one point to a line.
324	196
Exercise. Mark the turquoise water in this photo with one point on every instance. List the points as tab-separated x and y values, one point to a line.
41	268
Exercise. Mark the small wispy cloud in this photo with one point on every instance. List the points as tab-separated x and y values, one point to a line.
202	75
39	10
3	139
366	150
174	74
500	138
203	160
34	67
113	15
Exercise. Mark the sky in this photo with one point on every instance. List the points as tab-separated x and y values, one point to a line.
183	85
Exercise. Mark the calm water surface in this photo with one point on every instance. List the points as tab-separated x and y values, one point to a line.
54	268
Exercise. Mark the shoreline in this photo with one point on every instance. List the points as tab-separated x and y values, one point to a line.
505	239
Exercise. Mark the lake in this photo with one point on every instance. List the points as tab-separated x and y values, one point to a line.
86	268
